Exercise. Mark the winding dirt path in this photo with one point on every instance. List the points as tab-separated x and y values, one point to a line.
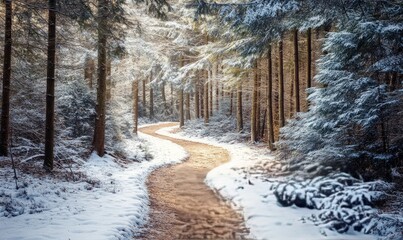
182	206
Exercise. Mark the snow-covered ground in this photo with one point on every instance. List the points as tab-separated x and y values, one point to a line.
249	190
111	204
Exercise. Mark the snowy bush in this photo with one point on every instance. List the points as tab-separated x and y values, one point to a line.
343	202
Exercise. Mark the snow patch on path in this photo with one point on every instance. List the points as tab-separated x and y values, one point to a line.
115	206
252	195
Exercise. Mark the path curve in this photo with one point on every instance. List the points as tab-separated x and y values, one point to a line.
182	206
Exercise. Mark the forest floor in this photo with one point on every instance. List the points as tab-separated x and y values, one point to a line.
182	205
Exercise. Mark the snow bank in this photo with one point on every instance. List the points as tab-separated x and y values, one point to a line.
113	204
248	190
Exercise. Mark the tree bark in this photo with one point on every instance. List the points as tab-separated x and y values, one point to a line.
181	112
253	131
99	136
231	106
197	100
309	58
187	95
211	103
144	97
172	98
217	90
206	102
296	71
270	125
258	96
151	98
281	85
50	88
5	113
239	113
135	106
202	99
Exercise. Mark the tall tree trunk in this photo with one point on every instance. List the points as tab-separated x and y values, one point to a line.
239	112
151	98
151	102
99	135
172	98
50	88
135	106
211	103
144	97
253	131
181	112
217	91
231	106
258	96
270	125
281	85
206	102
5	113
202	100
197	100
296	71
187	106
309	59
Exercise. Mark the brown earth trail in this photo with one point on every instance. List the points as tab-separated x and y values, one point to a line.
182	206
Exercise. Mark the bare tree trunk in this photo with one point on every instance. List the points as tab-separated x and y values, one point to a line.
5	113
151	98
202	100
144	97
99	135
253	131
217	91
151	102
281	85
309	60
296	72
187	106
172	98
270	125
197	100
211	103
239	112
135	106
206	102
231	107
50	88
258	96
181	112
